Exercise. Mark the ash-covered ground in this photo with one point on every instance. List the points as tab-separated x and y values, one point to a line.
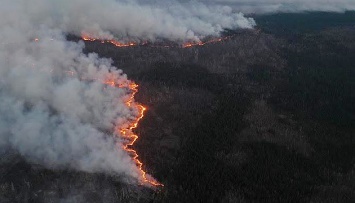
267	115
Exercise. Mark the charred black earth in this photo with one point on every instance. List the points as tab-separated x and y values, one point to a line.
265	115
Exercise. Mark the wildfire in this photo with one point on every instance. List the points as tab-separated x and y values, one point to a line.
192	44
88	37
128	134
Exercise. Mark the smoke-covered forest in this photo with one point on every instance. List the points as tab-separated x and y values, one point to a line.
266	115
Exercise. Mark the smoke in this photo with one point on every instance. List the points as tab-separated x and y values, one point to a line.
122	19
54	108
272	6
55	119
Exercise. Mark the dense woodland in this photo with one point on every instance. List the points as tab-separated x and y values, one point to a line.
266	115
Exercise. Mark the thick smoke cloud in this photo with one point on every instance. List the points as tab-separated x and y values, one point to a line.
271	6
133	20
54	108
49	114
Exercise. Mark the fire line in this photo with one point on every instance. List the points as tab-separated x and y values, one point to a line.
87	37
128	134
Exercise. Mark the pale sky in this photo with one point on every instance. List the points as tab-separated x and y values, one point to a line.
262	6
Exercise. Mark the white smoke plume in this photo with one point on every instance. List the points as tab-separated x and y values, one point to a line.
53	118
54	108
273	6
122	19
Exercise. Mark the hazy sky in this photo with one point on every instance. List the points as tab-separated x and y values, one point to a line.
130	19
262	6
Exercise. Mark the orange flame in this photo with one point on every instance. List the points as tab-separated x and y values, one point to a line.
87	37
192	44
127	133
